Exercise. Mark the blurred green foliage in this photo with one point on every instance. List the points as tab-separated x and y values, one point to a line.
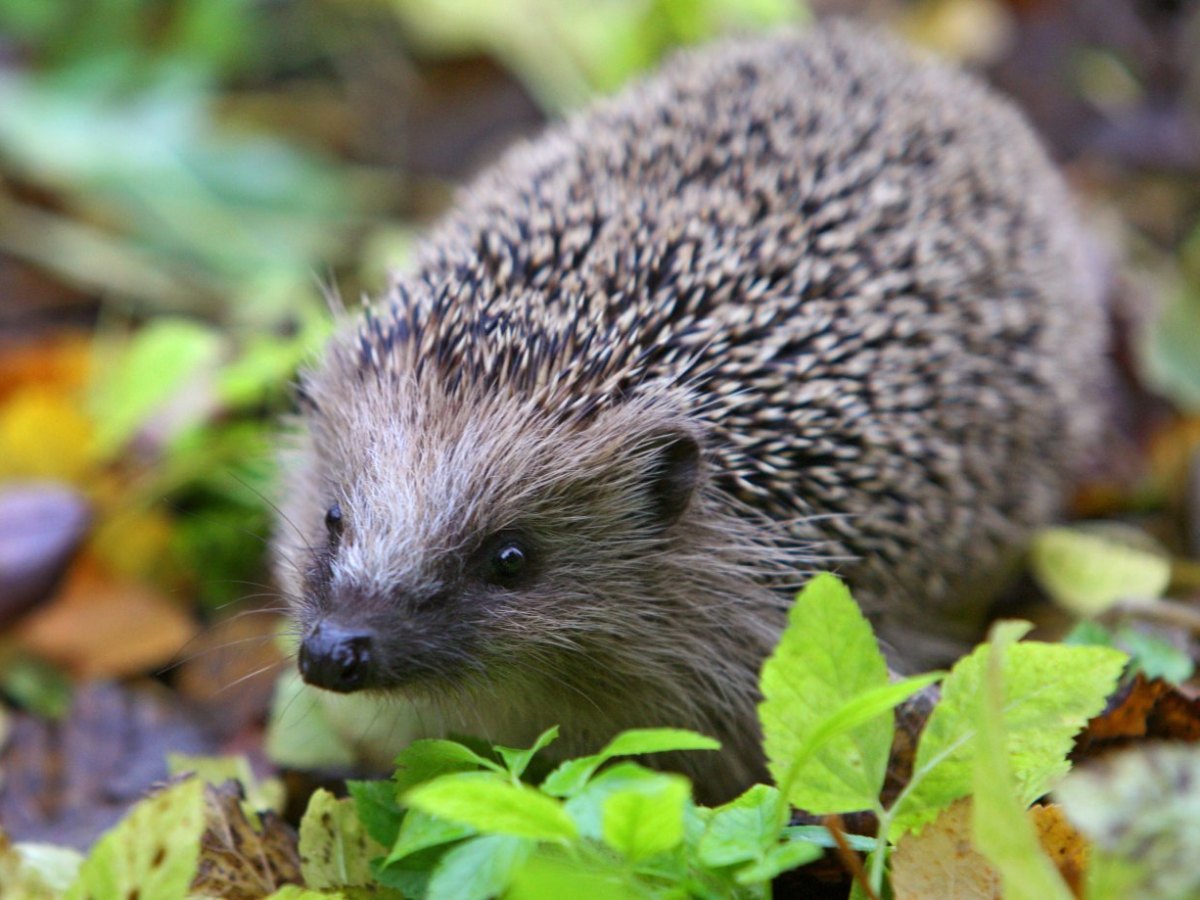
159	199
567	50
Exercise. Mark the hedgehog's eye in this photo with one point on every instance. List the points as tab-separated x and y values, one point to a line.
333	521
509	562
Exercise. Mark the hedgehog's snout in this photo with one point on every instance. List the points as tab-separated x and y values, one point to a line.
337	658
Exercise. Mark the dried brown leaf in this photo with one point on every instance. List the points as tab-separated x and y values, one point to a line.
240	859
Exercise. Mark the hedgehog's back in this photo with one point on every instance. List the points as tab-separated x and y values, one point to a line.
859	269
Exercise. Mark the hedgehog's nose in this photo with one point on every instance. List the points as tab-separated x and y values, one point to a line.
336	658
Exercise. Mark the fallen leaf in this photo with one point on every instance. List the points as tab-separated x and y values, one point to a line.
335	849
1066	847
941	863
1143	709
151	852
101	626
241	860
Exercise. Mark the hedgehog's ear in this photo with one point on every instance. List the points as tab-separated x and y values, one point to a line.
673	474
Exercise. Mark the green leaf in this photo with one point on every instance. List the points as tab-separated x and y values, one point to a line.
820	835
378	809
546	877
1002	831
1051	692
138	380
1088	570
637	741
1140	808
421	831
410	876
826	657
479	868
1171	351
586	808
296	892
152	852
518	760
426	760
492	806
743	829
335	849
779	858
572	775
645	817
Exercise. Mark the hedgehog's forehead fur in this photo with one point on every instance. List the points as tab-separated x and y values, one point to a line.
440	451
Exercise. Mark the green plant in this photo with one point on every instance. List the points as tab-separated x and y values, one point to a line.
463	822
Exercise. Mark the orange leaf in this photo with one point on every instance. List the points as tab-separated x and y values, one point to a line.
62	362
101	626
941	861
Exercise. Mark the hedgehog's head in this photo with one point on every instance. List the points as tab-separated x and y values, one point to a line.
443	531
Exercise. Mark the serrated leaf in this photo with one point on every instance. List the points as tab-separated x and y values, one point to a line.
493	806
479	868
421	831
1002	831
425	760
1087	571
637	741
517	761
572	775
152	852
1051	692
826	658
646	817
586	808
378	809
335	849
778	859
743	829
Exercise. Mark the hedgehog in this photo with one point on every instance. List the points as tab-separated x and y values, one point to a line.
794	303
